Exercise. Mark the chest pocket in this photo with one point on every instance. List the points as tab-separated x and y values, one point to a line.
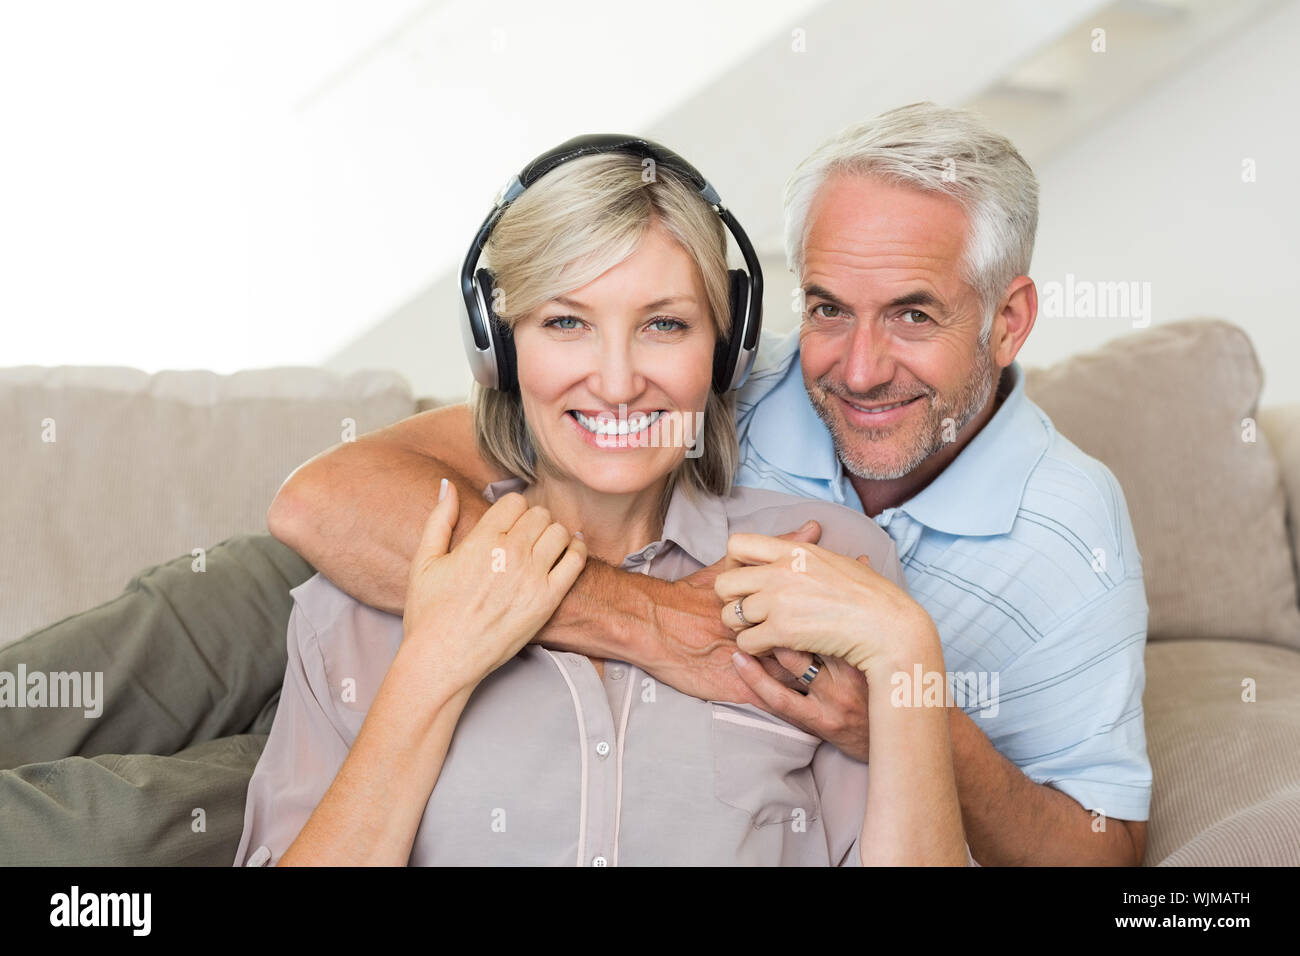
763	766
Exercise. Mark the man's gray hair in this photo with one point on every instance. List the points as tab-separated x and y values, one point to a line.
939	150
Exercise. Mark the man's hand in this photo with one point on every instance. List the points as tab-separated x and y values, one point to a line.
834	708
693	648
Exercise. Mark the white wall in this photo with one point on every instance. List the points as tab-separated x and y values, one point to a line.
228	185
1155	194
746	130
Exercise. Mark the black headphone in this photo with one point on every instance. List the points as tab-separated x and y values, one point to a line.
489	344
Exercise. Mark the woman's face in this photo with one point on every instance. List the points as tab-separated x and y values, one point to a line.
615	376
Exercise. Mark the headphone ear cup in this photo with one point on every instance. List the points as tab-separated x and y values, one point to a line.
503	340
727	351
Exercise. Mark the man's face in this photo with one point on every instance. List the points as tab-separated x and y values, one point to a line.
888	318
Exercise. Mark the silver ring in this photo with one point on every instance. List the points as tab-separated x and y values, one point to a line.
741	614
813	670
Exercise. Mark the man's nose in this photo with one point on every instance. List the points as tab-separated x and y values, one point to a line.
868	361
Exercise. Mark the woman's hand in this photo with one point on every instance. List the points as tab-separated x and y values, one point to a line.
807	598
473	608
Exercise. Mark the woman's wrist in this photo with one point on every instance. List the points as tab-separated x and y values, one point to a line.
372	810
438	675
918	645
446	666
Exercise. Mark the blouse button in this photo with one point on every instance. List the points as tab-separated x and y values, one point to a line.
600	861
602	749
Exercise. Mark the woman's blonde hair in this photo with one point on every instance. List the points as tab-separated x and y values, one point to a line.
580	220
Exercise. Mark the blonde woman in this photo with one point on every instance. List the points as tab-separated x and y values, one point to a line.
445	737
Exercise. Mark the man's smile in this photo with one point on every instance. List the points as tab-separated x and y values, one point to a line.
874	416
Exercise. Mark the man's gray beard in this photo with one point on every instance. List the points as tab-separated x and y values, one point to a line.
970	400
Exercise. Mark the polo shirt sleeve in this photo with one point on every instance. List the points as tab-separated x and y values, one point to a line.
1069	709
303	753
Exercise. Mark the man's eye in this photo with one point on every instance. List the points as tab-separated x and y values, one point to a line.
667	325
832	314
923	317
559	322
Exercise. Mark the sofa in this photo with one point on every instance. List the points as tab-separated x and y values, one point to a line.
112	470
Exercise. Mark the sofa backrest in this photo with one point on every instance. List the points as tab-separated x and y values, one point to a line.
1173	412
109	470
1281	424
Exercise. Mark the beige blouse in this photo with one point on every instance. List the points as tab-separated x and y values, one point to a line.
553	765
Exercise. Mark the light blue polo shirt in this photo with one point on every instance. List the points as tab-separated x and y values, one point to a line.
1022	552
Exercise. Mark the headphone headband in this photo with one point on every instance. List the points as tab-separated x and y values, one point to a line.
489	345
612	143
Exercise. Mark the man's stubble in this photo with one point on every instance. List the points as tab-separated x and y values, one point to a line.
921	443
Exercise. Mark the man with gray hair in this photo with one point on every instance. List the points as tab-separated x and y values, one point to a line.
899	395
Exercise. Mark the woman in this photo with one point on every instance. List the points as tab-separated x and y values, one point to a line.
444	737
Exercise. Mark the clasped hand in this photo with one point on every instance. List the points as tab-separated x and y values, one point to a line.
798	599
500	584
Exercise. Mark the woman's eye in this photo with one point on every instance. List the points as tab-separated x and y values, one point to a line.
832	314
667	325
561	322
923	317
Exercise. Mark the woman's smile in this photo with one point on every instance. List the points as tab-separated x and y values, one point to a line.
617	429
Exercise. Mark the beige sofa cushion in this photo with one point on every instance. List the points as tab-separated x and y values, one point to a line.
144	467
1225	772
1282	424
1163	409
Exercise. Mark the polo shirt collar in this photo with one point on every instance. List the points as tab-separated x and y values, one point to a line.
697	523
980	491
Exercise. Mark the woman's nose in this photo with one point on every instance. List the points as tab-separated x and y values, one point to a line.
615	378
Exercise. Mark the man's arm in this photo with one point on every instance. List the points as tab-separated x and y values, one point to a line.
1068	711
357	510
356	513
1050	828
1009	819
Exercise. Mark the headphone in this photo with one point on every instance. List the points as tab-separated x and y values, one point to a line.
489	343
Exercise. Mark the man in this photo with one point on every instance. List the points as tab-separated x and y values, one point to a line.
911	235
